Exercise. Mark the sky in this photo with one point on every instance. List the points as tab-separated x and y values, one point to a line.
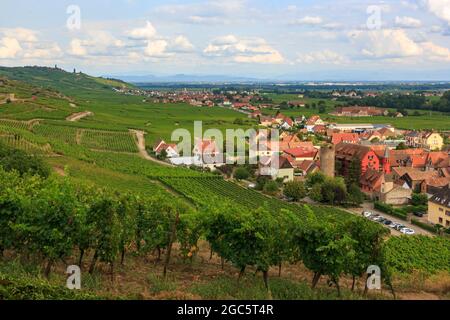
288	40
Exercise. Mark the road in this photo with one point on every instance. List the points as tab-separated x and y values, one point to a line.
77	116
140	135
369	207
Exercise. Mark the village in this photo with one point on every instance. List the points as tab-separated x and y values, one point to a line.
392	165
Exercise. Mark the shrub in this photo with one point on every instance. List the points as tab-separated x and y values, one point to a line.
419	199
271	187
241	174
295	190
13	159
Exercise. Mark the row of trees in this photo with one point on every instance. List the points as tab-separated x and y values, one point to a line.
403	101
334	191
55	220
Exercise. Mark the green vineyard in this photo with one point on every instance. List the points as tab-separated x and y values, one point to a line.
23	125
19	142
61	133
204	191
109	140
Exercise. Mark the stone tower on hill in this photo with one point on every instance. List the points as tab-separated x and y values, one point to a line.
327	160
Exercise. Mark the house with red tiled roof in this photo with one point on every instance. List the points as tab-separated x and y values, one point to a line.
312	122
301	154
169	148
319	129
344	137
287	123
290	141
205	147
346	153
281	170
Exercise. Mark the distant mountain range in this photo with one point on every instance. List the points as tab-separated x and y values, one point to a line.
184	78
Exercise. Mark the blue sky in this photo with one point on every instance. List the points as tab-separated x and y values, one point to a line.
329	40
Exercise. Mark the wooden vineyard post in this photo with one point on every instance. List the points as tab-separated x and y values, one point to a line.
169	248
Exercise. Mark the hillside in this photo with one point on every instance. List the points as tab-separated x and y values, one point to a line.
58	79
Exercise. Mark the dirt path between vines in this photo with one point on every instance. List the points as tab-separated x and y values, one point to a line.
80	115
140	135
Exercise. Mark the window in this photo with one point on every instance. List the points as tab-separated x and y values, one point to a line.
441	220
447	213
447	223
441	210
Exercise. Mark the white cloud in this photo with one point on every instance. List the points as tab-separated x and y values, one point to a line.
144	33
97	43
407	22
322	57
385	44
182	44
9	48
44	51
309	20
21	34
392	44
435	52
207	12
440	8
77	48
249	50
156	49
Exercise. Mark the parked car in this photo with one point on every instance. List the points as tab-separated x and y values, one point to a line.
394	225
367	214
387	222
399	227
407	231
419	214
378	219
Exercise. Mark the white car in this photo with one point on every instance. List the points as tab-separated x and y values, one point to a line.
407	231
367	214
378	218
393	225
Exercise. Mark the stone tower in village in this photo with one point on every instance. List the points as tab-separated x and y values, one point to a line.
327	160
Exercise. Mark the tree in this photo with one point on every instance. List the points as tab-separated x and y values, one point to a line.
242	238
315	178
163	154
355	195
325	248
369	239
419	199
14	159
354	172
241	173
322	109
334	191
316	193
271	187
295	190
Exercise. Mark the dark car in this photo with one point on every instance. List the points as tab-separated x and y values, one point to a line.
419	214
387	222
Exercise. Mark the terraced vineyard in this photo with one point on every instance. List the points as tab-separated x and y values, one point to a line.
204	191
23	125
133	164
113	141
19	142
62	133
